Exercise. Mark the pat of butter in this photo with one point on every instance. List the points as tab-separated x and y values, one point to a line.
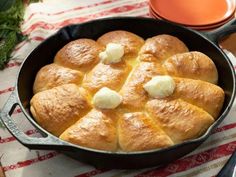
106	98
112	54
160	86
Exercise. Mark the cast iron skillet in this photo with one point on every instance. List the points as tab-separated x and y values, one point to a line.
145	27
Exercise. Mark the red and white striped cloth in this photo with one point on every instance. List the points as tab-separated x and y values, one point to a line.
42	20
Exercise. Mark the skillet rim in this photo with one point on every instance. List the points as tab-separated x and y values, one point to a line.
199	140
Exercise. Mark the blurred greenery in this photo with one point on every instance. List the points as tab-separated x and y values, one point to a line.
11	16
6	4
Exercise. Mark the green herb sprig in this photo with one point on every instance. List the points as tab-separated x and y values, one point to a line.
10	35
11	16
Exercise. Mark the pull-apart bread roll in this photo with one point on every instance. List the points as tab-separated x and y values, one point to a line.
137	132
53	75
121	93
194	65
205	95
134	96
81	54
161	47
179	119
58	108
95	130
131	42
103	75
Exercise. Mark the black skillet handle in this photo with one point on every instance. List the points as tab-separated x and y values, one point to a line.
31	142
229	169
224	30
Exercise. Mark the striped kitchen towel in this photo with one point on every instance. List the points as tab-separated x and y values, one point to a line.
45	18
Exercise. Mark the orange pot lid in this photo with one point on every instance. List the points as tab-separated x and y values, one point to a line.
193	12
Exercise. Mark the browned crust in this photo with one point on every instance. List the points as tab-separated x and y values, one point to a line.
58	108
131	42
161	47
95	130
193	65
81	54
137	132
53	75
180	120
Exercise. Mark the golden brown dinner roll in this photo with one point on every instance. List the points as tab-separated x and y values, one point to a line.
103	75
58	108
131	42
137	132
95	130
205	95
180	120
81	54
133	93
161	47
53	75
195	65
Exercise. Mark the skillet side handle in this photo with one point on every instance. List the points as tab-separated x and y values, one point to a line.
229	169
223	31
48	142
